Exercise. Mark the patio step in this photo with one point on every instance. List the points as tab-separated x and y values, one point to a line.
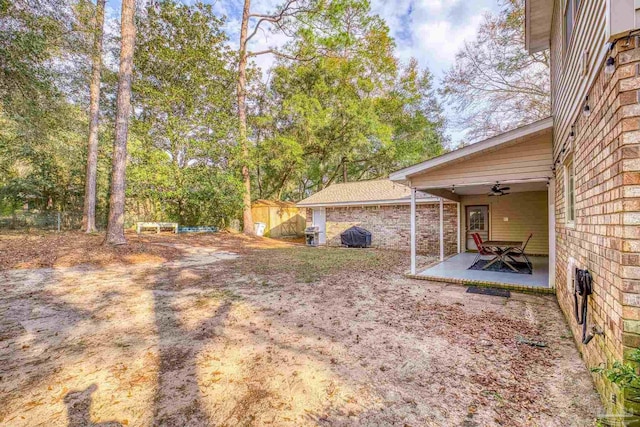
469	282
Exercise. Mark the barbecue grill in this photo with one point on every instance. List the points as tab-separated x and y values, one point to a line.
356	237
312	235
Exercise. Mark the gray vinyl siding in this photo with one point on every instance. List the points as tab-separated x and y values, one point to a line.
569	83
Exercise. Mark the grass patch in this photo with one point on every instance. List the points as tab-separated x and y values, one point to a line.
223	295
309	265
215	296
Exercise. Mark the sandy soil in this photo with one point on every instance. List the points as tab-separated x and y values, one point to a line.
227	330
36	249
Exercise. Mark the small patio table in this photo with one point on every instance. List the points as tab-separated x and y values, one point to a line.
504	247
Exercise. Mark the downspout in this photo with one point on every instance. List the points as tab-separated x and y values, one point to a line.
459	232
441	229
413	230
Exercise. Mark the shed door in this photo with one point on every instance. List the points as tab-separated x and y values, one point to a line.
477	222
320	220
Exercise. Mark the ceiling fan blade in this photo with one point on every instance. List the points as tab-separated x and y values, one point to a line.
505	189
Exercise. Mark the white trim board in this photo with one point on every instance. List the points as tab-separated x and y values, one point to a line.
426	189
544	8
371	203
508	137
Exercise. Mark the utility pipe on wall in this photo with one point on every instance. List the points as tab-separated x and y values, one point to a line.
459	234
413	231
441	229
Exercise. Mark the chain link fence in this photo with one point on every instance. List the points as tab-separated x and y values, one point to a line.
49	220
61	221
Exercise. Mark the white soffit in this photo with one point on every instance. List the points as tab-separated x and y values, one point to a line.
506	138
537	26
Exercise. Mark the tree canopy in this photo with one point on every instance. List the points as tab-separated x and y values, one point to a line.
183	126
337	105
353	112
41	107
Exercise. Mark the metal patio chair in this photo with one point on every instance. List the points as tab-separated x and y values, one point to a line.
482	249
520	253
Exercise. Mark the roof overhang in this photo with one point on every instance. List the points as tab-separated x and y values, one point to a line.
537	24
368	203
404	175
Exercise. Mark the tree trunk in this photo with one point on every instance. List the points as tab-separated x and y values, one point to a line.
115	228
89	212
247	218
344	170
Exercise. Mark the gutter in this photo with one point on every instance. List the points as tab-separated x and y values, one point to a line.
371	203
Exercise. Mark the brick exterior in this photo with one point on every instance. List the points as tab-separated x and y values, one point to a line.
390	226
606	236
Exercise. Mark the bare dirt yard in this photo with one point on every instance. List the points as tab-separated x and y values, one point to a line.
229	330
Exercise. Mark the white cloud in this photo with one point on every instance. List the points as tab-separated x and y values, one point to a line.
432	6
439	41
432	31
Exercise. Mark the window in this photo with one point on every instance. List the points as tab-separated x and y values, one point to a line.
570	196
570	12
476	221
568	22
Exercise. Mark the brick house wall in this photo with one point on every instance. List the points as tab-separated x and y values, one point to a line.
606	235
390	226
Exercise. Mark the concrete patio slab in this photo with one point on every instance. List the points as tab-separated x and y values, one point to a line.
456	269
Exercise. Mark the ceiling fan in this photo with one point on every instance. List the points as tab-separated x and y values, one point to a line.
496	190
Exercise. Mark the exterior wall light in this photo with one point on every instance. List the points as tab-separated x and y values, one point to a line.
610	66
586	111
572	134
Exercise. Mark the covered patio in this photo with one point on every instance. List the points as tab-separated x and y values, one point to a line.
456	269
504	190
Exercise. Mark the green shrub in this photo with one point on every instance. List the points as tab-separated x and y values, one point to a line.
624	375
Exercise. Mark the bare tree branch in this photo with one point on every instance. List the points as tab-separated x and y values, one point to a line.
495	84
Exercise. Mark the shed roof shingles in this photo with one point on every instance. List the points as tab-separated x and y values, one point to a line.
378	190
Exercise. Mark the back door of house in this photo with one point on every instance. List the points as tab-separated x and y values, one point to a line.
477	222
320	220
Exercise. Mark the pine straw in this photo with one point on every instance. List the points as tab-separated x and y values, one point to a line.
46	249
30	250
518	388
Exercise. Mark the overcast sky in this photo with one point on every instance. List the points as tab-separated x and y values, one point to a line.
429	30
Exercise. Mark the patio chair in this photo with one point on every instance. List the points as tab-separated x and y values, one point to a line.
520	253
482	249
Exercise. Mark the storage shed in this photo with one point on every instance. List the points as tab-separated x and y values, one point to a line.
282	219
